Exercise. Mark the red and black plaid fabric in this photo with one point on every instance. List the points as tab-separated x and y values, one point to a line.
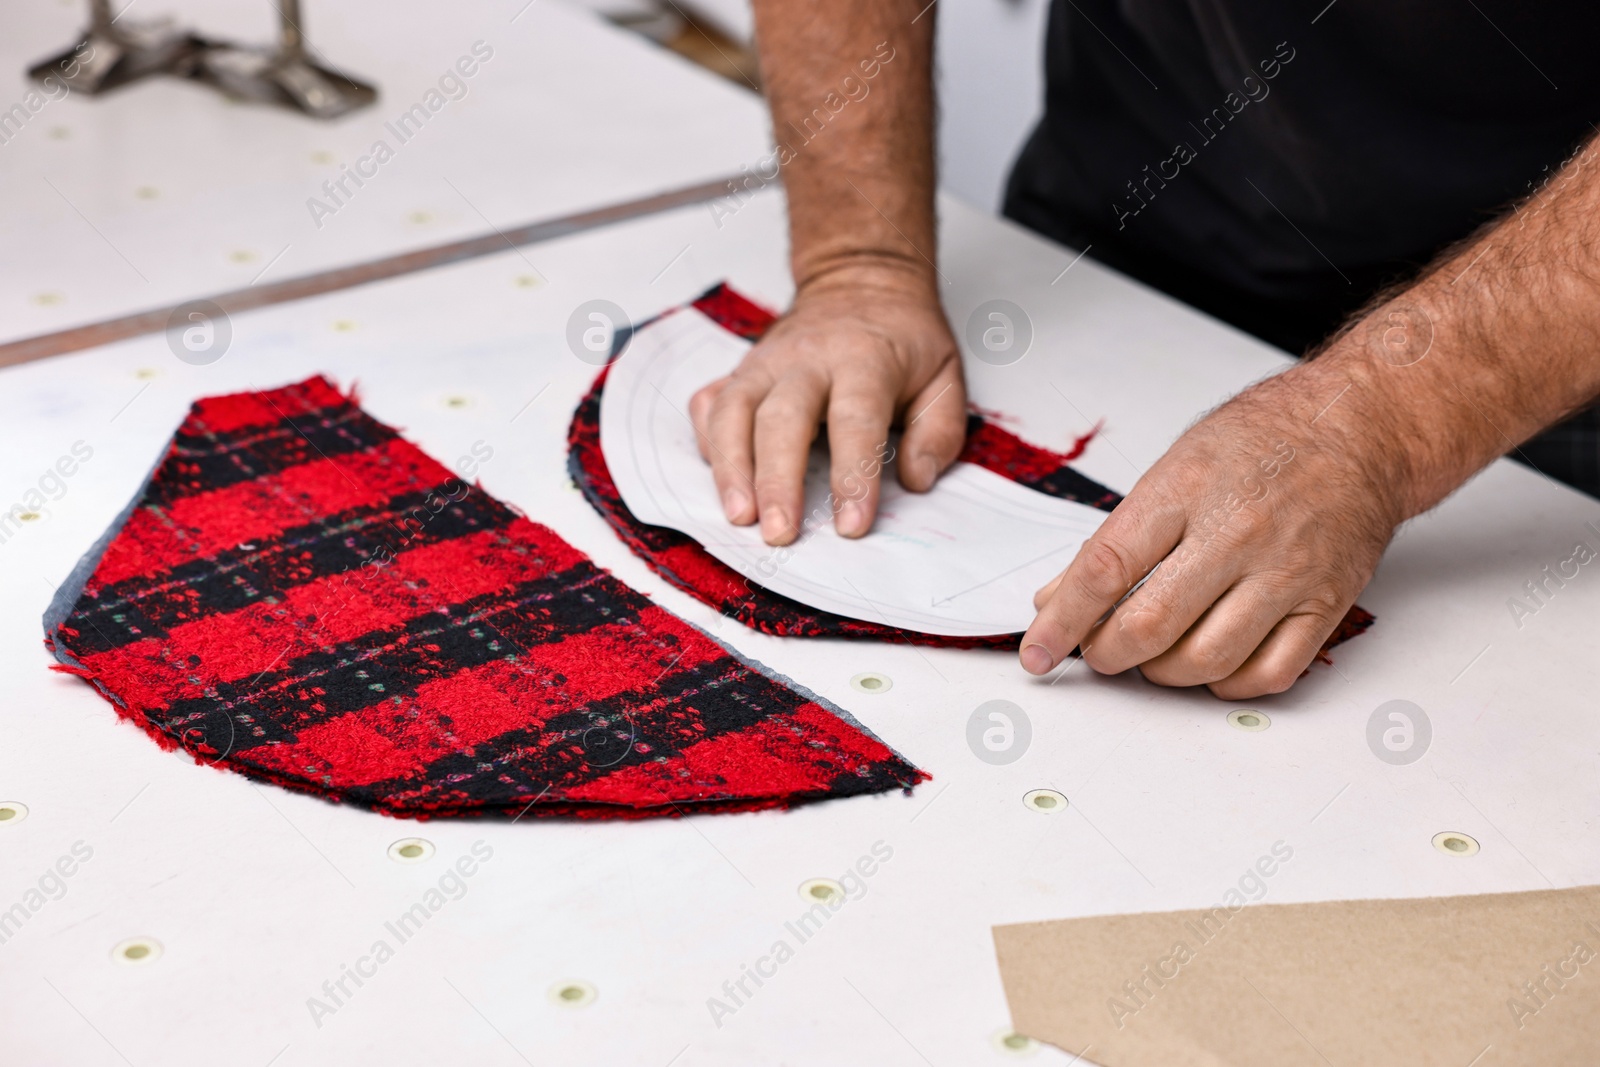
300	595
680	560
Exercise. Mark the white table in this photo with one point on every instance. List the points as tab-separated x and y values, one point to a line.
165	191
258	896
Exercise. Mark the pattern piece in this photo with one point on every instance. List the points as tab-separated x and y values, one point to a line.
301	595
682	561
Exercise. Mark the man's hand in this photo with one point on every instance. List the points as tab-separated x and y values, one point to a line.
860	350
1266	521
1268	517
865	344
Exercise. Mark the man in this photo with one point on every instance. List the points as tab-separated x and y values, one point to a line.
1275	164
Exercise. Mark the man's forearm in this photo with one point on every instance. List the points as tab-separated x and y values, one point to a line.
1497	340
850	86
865	342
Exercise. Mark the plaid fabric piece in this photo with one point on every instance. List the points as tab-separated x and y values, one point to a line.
300	595
680	560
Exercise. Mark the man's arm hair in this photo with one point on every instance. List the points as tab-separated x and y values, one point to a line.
1496	340
851	90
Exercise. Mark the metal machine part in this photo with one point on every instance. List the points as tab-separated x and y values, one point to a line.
286	76
113	52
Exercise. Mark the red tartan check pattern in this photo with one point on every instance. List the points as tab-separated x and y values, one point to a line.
300	595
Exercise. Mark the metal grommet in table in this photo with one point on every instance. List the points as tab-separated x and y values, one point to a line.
1014	1044
872	682
573	993
1249	719
1452	843
12	811
820	891
1045	801
411	850
136	951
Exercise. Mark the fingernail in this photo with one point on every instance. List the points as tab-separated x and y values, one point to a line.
735	503
927	470
1036	659
852	519
774	525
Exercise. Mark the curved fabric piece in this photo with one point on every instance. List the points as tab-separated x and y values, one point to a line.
682	561
300	595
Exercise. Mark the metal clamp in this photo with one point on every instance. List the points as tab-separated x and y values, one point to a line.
113	53
110	54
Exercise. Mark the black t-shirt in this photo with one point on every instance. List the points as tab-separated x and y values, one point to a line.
1276	162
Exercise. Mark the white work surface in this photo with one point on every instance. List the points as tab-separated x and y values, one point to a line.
258	896
164	190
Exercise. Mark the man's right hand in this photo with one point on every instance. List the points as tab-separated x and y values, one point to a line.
862	349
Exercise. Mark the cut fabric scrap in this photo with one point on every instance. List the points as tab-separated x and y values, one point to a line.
300	595
686	564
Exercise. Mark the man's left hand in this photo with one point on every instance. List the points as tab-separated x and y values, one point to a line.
1253	535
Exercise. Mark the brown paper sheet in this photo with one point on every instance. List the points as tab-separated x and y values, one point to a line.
1474	981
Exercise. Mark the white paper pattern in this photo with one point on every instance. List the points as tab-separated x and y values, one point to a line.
961	560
